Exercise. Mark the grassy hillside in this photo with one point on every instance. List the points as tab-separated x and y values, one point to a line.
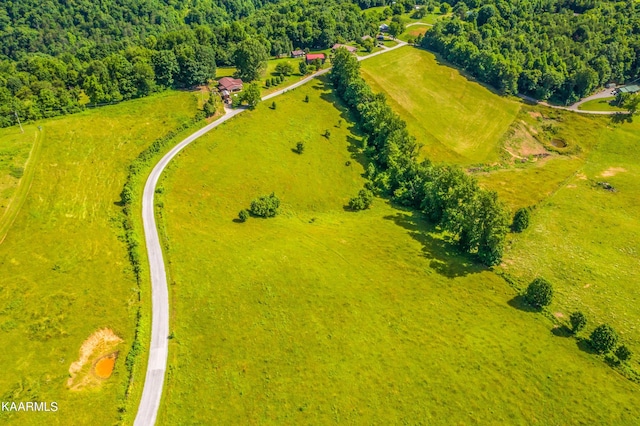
65	270
457	120
586	239
321	315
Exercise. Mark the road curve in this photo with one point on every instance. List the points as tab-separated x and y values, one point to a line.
159	347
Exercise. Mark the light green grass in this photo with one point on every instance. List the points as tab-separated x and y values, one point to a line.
225	72
414	31
604	104
65	272
18	151
322	316
586	240
456	120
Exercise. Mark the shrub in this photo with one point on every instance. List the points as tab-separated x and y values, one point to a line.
265	206
539	293
327	134
604	338
306	98
268	83
578	321
299	147
521	220
243	215
361	202
623	353
273	105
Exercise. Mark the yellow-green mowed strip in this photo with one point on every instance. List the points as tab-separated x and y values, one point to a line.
321	315
65	271
457	120
16	179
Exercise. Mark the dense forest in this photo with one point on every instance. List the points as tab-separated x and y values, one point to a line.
550	49
55	54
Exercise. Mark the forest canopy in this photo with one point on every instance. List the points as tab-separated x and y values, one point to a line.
55	53
550	49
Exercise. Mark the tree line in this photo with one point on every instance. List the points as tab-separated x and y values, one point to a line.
551	49
475	218
56	56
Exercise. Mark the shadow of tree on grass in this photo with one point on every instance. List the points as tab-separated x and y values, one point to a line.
520	303
562	331
445	258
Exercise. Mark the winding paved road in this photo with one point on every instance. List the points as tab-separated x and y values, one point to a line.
159	348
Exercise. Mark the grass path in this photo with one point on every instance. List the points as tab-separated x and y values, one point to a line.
20	196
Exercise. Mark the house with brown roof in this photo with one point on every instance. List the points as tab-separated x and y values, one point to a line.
351	49
313	56
230	84
297	53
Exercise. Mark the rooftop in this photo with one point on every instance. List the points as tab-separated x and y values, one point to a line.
312	56
629	89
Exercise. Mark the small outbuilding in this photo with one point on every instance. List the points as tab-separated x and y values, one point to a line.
297	53
629	89
384	28
313	56
351	49
366	37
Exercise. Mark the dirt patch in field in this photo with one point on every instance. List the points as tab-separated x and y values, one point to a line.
612	171
558	314
99	346
522	144
581	176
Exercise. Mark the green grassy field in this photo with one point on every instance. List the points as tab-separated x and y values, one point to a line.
414	31
457	120
65	272
603	104
323	315
586	240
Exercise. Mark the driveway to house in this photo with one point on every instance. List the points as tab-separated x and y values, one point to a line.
159	347
602	94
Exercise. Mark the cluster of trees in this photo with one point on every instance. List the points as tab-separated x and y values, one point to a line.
448	196
555	49
57	56
603	339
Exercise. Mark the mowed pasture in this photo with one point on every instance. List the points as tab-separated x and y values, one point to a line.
65	271
322	315
457	120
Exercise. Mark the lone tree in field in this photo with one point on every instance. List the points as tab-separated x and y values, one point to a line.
243	215
306	98
521	220
539	293
265	206
251	95
604	338
578	321
623	353
361	202
210	106
299	147
273	105
327	134
250	59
